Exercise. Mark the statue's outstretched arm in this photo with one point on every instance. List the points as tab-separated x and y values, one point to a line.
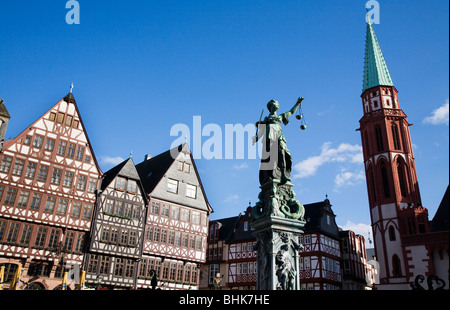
294	108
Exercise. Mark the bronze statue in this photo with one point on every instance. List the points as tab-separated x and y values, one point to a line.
277	160
276	197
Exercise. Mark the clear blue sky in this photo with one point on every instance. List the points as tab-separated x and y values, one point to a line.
139	67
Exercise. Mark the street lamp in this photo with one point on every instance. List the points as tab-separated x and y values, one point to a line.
217	279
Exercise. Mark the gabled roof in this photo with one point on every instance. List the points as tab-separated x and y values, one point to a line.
375	70
227	226
315	220
151	171
125	169
69	98
232	228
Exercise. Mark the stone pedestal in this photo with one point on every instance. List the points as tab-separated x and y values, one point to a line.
277	252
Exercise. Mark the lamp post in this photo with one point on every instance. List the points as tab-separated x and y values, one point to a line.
217	279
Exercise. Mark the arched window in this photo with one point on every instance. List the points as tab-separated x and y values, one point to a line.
371	185
379	138
401	177
396	137
396	266
384	176
367	146
392	233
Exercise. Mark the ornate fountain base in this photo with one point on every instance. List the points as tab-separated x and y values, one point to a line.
277	252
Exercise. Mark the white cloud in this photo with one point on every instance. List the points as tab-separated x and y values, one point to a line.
241	166
232	199
347	178
438	116
108	160
360	229
344	153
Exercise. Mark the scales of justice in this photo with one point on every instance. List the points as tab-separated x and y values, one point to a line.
277	217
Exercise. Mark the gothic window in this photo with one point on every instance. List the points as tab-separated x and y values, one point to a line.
421	221
411	225
384	176
401	177
379	137
392	233
396	266
372	185
396	137
367	145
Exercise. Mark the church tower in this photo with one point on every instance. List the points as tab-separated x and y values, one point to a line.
396	210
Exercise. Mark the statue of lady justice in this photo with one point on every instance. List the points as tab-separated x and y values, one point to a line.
276	197
276	162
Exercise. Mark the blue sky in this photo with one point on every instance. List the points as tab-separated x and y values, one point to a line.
140	67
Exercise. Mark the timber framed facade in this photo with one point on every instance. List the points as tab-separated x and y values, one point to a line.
115	246
48	178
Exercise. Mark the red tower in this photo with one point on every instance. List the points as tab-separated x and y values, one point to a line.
396	209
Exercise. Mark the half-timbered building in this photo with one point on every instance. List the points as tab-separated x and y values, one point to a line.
117	231
177	220
241	255
320	259
48	176
231	260
357	273
214	273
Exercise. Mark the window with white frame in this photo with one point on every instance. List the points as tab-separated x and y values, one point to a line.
172	186
191	191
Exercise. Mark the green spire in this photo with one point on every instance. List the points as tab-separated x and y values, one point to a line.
375	70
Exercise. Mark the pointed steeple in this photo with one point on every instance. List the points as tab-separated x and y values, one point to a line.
375	70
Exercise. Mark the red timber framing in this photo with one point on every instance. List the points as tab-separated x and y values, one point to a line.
242	265
320	262
177	220
174	244
48	175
